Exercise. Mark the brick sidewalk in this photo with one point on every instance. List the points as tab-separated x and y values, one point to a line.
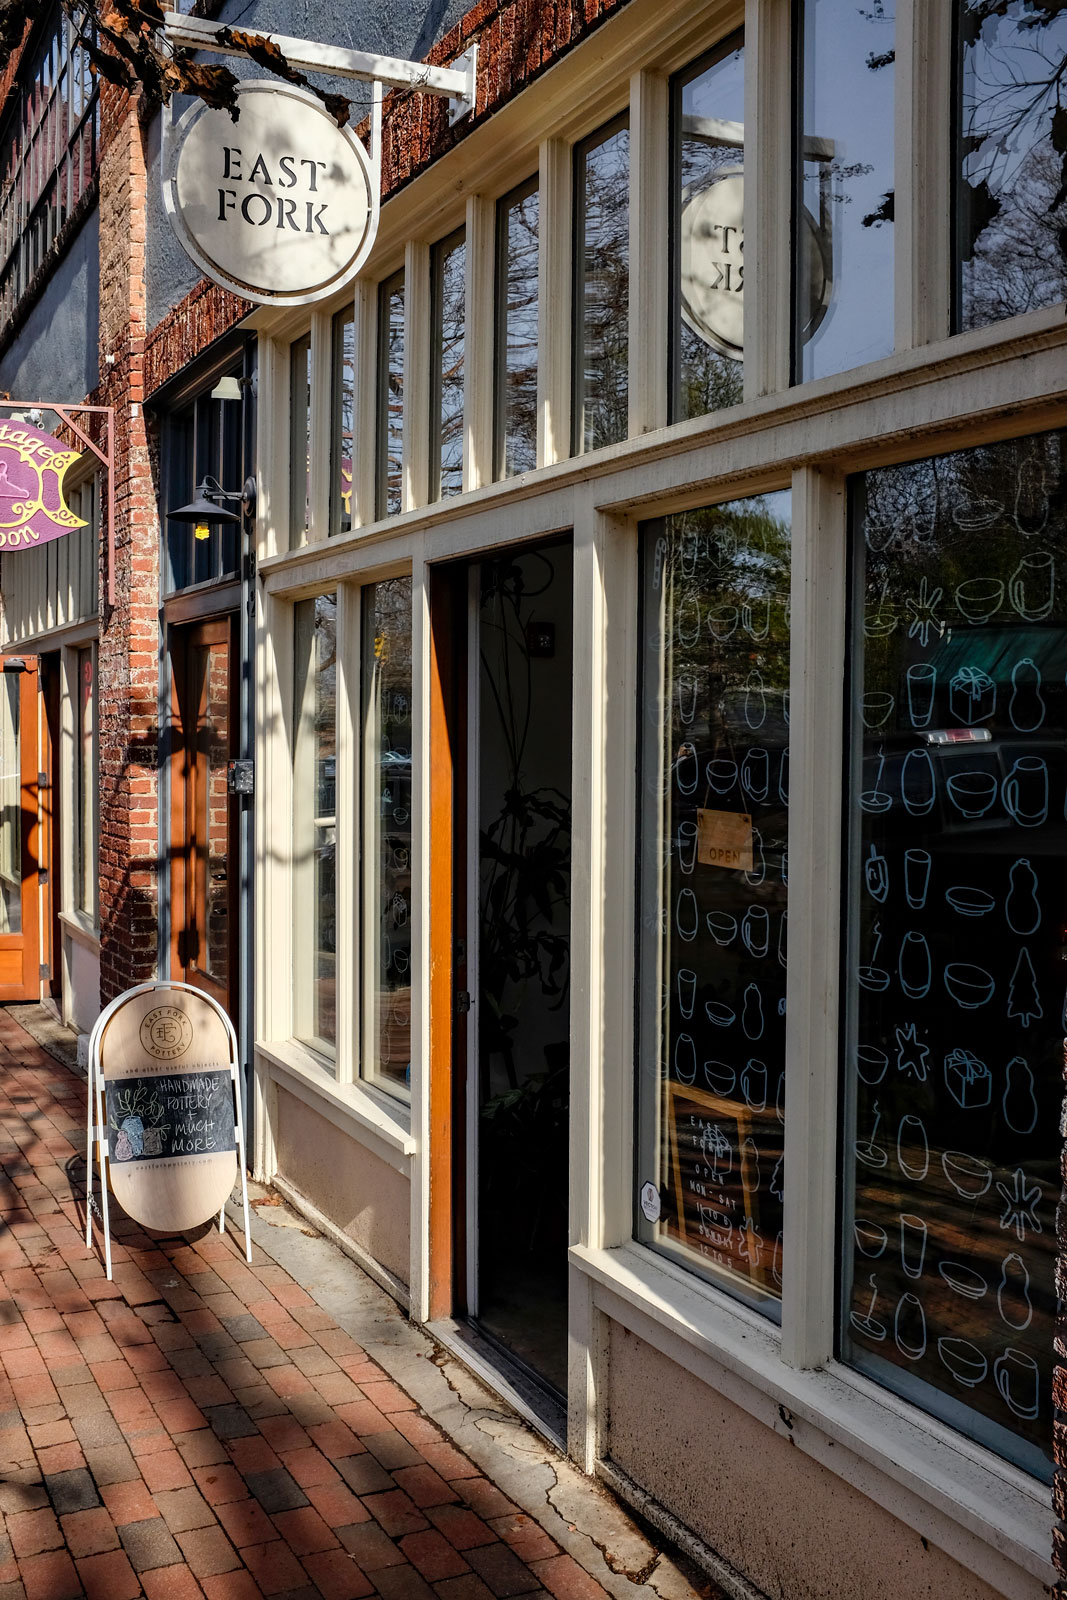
201	1426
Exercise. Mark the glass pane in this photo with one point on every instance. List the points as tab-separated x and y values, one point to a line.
213	757
314	824
387	833
299	440
1011	209
954	1050
843	238
390	441
10	806
709	236
602	289
516	291
85	786
449	270
344	398
713	870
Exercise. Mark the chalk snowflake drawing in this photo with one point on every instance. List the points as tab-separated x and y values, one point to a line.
924	619
1020	1205
140	1126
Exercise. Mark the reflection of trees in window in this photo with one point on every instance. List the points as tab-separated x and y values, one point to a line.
449	268
390	440
1012	177
344	381
516	395
602	182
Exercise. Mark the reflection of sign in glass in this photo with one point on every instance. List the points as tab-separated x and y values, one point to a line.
33	508
279	206
712	244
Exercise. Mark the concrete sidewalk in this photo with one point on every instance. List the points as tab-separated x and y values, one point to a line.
201	1426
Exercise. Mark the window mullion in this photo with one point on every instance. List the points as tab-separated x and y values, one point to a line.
416	375
649	225
478	355
364	404
554	300
320	427
923	182
768	196
816	686
350	1042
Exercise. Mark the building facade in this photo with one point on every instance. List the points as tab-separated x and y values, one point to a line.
643	933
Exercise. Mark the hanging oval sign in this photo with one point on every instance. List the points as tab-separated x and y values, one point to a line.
33	508
165	1066
281	206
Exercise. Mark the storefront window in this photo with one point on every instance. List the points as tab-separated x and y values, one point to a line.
708	234
517	230
843	227
955	970
389	443
202	440
299	440
10	806
714	796
387	834
448	266
602	287
85	785
1011	201
314	824
342	414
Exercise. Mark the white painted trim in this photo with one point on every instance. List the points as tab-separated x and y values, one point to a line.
768	196
79	928
922	173
419	1111
650	180
347	813
479	342
416	425
365	404
320	423
307	1208
554	291
351	1106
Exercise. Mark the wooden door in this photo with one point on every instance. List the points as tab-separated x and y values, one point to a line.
203	812
20	951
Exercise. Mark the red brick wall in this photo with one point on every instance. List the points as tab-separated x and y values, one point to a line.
129	635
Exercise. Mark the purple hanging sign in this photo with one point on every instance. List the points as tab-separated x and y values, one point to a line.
33	508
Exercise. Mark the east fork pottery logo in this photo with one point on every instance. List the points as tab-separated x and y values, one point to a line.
32	504
166	1033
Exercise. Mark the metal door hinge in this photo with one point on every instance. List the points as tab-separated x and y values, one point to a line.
43	781
463	1000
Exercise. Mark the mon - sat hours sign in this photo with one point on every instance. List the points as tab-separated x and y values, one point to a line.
279	206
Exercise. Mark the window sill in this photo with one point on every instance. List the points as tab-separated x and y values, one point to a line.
992	1518
360	1111
81	928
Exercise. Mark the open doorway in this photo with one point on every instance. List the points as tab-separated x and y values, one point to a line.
515	901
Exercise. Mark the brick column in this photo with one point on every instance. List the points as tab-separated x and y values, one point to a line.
129	634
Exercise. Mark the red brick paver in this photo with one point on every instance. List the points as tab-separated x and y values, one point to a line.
199	1427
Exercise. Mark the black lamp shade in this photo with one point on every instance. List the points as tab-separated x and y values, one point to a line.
203	509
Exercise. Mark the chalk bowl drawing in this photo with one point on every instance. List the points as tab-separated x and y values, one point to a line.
969	986
1032	586
719	1014
916	877
756	618
1013	1293
1019	1105
972	695
1016	1376
914	967
721	775
687	622
913	1235
722	622
975	513
1020	1202
876	708
722	927
687	988
963	1280
871	1064
909	1327
865	1321
755	774
969	1175
868	1150
754	1084
871	1238
720	1077
921	686
972	793
1022	909
968	1080
923	612
756	931
968	902
1025	792
963	1360
913	1148
1026	708
876	875
918	783
979	599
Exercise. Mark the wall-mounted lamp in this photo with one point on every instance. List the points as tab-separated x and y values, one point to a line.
204	509
227	389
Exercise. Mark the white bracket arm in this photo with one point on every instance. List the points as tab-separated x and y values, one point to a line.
456	84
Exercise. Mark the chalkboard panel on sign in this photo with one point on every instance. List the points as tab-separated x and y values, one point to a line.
180	1114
